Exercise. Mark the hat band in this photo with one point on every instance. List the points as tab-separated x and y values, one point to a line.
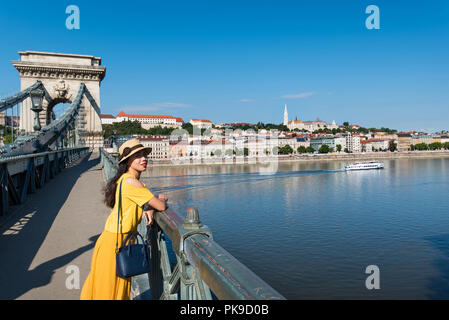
128	150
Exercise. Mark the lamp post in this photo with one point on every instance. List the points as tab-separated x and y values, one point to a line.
37	96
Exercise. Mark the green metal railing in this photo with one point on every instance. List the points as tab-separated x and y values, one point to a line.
202	267
21	175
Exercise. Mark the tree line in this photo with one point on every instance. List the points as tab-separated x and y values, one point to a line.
430	146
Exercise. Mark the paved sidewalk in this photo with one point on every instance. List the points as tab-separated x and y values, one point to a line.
51	236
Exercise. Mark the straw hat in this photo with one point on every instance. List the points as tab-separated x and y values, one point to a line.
130	147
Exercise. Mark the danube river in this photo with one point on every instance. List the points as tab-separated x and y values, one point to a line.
310	229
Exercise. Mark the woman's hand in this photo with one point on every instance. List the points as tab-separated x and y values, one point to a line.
163	197
149	214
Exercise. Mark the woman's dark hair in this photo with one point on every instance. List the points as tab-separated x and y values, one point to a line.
111	186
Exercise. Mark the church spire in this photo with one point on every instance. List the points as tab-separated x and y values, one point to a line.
285	115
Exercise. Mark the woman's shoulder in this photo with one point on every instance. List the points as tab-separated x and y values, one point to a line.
132	181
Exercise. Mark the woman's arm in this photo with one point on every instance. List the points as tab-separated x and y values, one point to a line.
160	203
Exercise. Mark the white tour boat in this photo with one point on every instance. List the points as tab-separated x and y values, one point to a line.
365	165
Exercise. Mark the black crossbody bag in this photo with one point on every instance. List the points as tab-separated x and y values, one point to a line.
131	259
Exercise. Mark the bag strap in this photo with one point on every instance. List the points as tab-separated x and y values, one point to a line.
118	213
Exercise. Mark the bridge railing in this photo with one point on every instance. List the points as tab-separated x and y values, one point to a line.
202	267
21	175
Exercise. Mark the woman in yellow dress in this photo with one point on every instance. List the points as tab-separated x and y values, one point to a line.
102	282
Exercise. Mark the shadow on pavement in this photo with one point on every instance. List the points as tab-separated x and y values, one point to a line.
22	236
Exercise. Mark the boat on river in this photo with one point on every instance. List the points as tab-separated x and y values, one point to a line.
365	165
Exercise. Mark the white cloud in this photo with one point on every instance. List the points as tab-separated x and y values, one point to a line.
246	100
301	95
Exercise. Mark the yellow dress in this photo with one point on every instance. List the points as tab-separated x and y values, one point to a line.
102	282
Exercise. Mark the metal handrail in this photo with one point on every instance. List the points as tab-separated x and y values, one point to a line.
199	256
40	154
21	175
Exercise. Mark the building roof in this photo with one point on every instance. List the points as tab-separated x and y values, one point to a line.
123	114
106	116
201	120
153	138
373	140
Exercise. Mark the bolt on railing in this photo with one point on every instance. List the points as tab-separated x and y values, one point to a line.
203	266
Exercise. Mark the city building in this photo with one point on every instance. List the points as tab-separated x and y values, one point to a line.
371	145
160	146
107	119
201	123
151	121
384	135
444	138
425	138
352	142
177	149
317	142
404	141
310	126
340	140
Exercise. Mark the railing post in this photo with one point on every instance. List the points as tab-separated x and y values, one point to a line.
192	287
156	282
4	189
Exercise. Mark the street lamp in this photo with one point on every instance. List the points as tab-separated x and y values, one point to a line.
37	96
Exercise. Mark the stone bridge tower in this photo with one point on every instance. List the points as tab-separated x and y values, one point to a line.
61	75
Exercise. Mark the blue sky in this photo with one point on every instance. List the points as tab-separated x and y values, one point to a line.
241	61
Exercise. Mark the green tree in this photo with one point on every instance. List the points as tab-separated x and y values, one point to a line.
286	149
324	149
188	127
339	147
392	146
302	149
310	150
435	146
346	124
245	151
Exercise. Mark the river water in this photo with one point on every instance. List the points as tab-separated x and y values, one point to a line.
310	230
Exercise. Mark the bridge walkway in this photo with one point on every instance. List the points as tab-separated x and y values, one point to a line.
46	240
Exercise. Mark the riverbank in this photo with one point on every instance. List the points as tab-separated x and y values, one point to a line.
309	158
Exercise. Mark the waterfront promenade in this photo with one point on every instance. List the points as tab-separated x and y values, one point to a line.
52	233
309	158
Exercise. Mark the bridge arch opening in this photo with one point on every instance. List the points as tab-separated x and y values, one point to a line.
56	108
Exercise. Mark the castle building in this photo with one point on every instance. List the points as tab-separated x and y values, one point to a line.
151	121
310	126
